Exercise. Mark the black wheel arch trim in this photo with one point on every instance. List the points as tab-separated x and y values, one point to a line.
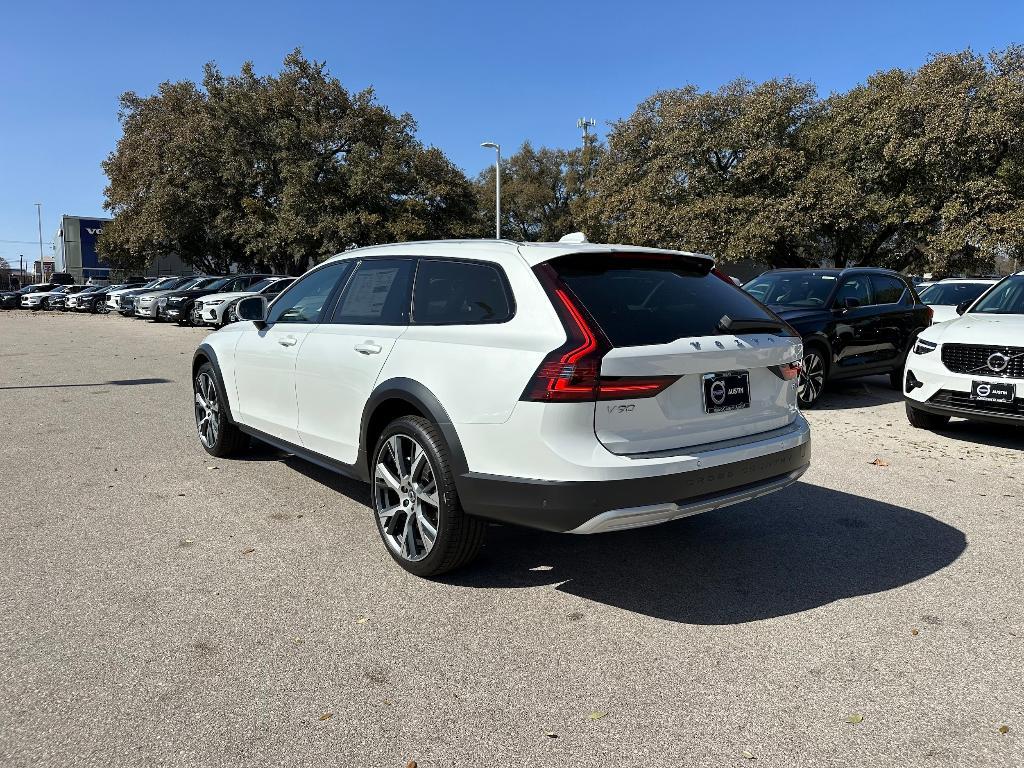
205	351
422	399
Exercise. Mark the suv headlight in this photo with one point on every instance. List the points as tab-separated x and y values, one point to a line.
161	302
213	303
922	347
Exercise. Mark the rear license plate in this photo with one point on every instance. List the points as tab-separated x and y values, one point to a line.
993	391
726	391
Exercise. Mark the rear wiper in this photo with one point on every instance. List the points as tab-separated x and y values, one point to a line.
752	325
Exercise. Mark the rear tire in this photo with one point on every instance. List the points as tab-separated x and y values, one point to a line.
924	420
416	505
218	436
813	376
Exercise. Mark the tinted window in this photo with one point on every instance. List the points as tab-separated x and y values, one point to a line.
377	294
304	302
654	300
1007	298
951	294
274	286
792	289
854	288
888	289
453	292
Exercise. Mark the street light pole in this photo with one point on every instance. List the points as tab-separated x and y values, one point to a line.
39	219
497	187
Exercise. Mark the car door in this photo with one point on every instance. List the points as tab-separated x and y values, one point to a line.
854	336
265	356
894	319
340	360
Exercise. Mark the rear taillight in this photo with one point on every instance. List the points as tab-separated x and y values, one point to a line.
789	371
572	373
931	314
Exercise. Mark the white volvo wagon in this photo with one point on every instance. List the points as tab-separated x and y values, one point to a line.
565	386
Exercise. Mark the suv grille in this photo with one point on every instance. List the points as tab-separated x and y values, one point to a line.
962	401
978	359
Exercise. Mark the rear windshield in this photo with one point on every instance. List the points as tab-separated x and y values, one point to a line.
640	300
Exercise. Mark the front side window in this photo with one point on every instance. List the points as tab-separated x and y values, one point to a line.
459	292
855	288
1007	298
304	302
888	289
377	294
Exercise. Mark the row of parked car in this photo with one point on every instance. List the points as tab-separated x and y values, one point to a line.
194	300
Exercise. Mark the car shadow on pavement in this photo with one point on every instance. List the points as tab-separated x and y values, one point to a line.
857	393
984	433
117	383
779	555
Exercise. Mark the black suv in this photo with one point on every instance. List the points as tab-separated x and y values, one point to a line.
854	322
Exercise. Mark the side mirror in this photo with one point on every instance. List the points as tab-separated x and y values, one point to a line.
962	307
253	308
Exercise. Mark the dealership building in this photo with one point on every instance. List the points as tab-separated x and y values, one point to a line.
76	248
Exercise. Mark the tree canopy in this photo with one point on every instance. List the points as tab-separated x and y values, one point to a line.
273	171
919	169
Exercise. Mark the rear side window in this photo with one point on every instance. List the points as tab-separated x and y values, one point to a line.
377	294
888	290
640	300
459	293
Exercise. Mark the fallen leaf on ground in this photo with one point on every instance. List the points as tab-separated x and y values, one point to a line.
248	551
748	755
1004	729
879	463
362	620
326	715
854	718
597	715
411	764
915	631
551	734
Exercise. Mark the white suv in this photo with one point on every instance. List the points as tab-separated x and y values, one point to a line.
564	386
971	367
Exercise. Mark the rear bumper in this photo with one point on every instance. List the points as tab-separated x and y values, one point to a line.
594	506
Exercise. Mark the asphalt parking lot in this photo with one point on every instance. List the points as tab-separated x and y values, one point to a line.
160	607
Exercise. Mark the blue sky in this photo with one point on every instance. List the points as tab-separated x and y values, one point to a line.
468	72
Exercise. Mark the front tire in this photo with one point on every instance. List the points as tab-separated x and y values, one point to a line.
416	505
924	420
218	436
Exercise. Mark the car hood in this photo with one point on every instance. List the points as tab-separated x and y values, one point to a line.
943	313
978	328
227	296
155	293
796	315
186	294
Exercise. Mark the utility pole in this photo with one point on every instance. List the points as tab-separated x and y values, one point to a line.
497	186
586	123
39	219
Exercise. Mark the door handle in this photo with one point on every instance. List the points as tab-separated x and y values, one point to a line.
368	348
288	341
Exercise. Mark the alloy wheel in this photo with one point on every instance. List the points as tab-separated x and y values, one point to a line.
405	497
811	380
207	410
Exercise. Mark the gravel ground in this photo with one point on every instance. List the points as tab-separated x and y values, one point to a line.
160	607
